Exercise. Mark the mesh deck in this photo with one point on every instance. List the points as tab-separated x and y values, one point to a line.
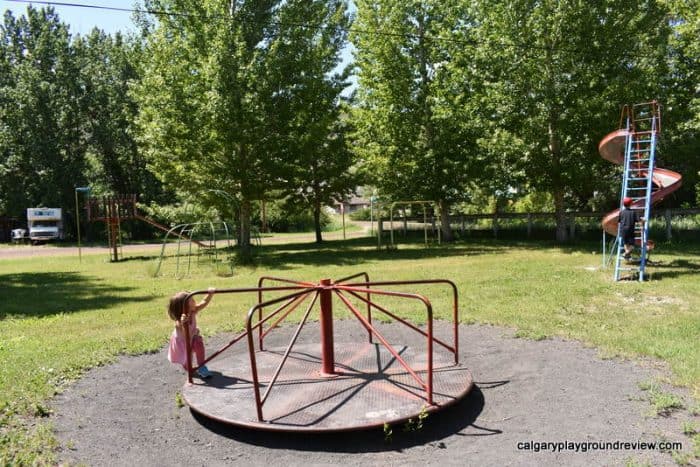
371	388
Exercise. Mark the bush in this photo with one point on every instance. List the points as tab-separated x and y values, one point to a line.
174	214
280	219
361	215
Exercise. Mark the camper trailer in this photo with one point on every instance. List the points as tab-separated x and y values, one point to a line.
44	224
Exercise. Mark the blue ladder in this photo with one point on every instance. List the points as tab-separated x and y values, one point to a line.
643	124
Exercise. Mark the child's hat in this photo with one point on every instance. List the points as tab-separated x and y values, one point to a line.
627	201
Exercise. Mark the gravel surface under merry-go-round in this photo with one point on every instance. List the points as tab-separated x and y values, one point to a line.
525	392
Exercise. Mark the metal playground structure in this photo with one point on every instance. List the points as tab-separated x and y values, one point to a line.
115	209
205	236
633	146
332	385
431	224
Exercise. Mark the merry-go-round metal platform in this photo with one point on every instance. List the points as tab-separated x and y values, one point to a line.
329	386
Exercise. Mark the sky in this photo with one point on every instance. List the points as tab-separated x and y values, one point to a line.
82	20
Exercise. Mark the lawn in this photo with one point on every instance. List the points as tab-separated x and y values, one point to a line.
60	317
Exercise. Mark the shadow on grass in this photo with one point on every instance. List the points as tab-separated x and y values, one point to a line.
437	426
358	251
138	258
676	268
46	293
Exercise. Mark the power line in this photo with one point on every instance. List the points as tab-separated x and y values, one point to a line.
103	7
279	23
525	48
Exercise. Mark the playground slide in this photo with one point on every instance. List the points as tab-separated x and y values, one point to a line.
612	148
164	228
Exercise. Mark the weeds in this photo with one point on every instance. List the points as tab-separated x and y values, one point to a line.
689	428
663	403
388	433
682	458
412	425
695	409
179	401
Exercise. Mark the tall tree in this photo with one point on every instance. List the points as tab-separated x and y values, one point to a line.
314	159
681	96
109	68
41	145
202	95
412	122
558	73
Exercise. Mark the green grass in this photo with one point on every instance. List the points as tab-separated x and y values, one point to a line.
663	403
59	318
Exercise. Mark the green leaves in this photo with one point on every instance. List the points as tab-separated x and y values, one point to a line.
563	70
40	138
413	98
243	99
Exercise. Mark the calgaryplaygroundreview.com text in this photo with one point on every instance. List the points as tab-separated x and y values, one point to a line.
586	446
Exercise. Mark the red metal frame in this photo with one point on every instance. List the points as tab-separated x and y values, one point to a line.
323	292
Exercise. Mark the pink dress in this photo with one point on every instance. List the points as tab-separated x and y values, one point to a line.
177	350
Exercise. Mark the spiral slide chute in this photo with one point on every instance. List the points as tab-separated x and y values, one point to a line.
612	148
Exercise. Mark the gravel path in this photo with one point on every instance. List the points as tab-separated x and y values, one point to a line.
27	250
549	391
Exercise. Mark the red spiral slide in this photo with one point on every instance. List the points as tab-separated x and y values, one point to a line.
612	148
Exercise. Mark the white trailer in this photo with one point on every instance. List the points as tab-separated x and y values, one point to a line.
45	224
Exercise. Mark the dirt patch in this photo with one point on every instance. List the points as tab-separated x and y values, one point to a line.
549	391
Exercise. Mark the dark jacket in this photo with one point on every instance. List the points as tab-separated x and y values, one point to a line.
628	218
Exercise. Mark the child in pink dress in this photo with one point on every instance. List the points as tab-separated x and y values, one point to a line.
184	313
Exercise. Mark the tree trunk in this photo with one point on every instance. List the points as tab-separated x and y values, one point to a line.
405	222
557	188
447	235
317	221
560	216
245	228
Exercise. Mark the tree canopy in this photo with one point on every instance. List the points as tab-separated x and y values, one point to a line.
237	97
41	142
230	102
413	103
